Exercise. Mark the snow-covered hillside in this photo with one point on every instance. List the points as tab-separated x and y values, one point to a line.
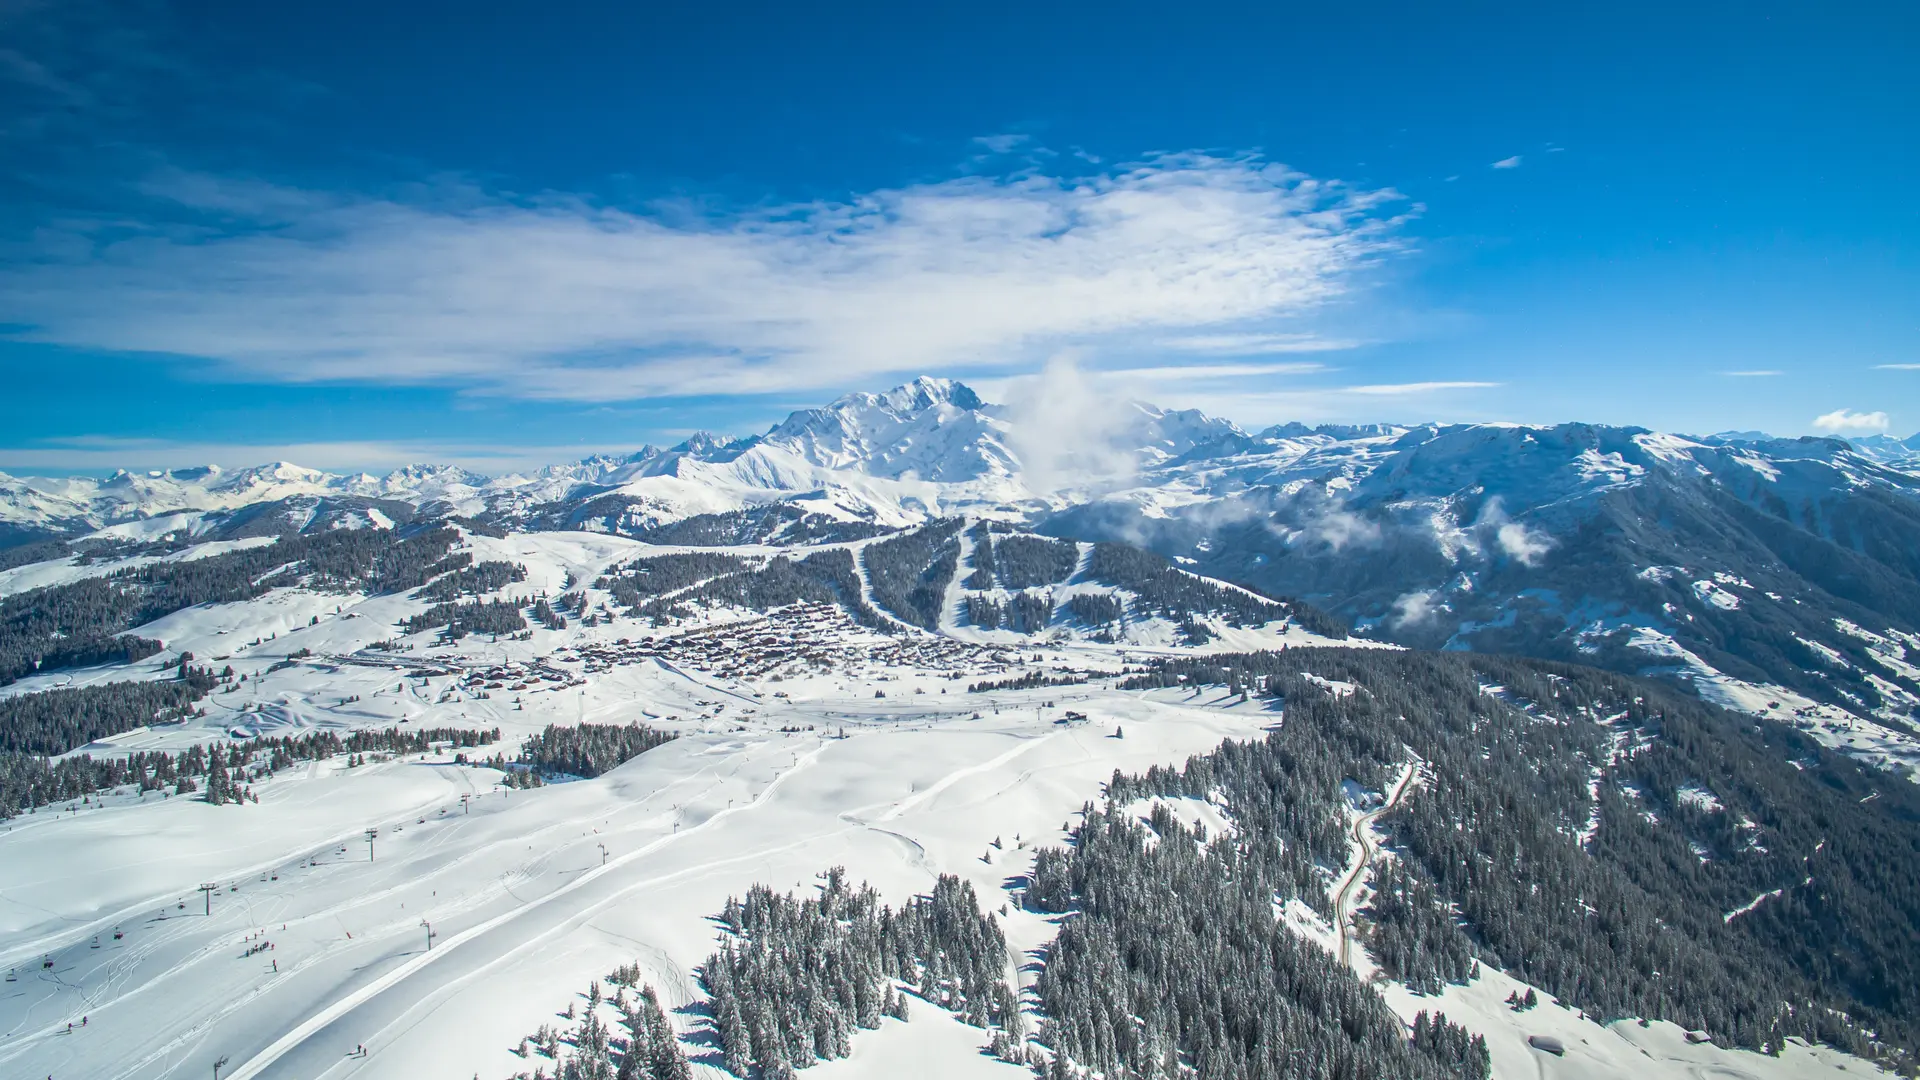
1734	560
923	449
418	907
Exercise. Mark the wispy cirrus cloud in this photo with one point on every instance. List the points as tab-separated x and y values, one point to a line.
1414	389
1847	420
1196	372
1758	374
1896	367
1508	163
1239	392
1258	344
99	454
558	298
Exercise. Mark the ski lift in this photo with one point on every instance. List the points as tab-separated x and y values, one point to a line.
47	963
118	934
96	942
11	977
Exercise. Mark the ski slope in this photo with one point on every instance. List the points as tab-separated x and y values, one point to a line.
317	941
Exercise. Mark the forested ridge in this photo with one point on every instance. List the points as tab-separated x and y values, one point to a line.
1162	589
909	573
1593	834
55	721
29	781
583	750
1173	957
1023	561
774	523
84	622
664	587
795	977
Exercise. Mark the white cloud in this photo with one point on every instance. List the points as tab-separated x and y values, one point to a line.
1340	529
104	454
1414	389
1847	420
556	298
1414	608
1896	367
1751	374
1521	543
1508	163
1197	372
1002	144
1258	344
1066	425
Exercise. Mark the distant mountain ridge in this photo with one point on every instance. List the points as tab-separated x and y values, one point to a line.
1753	566
897	456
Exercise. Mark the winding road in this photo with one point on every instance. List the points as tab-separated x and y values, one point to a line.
1362	835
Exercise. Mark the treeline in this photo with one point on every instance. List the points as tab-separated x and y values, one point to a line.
774	523
909	573
587	750
32	552
1174	964
1025	561
1163	590
1601	875
28	781
74	625
471	617
1023	612
666	586
650	1051
472	580
1030	681
795	978
84	622
549	616
633	584
1096	609
981	559
53	722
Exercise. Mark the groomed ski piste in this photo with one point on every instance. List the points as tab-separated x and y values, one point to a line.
476	913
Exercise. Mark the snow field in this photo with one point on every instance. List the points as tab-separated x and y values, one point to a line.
533	894
527	907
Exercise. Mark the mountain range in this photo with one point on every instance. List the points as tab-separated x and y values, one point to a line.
1770	573
956	650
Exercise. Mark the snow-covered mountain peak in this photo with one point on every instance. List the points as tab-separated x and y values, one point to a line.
426	475
707	445
277	472
928	429
920	395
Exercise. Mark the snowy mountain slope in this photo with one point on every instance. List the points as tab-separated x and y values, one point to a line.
1578	541
1589	544
1902	454
927	448
962	753
533	894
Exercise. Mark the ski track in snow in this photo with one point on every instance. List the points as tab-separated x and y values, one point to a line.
260	1063
532	905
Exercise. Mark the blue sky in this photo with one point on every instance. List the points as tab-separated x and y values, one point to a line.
357	234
